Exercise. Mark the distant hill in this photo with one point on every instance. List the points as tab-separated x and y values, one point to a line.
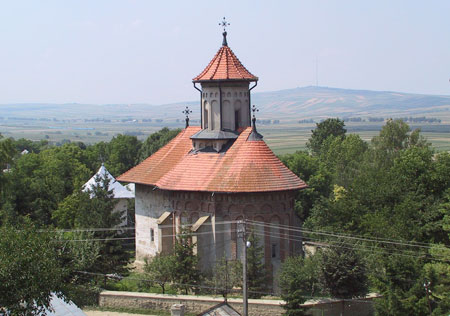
320	102
286	105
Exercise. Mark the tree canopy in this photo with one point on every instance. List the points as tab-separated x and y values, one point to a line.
30	270
393	188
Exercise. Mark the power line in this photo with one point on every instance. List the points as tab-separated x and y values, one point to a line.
352	246
396	242
281	226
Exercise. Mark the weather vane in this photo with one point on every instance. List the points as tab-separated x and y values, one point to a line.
187	112
224	24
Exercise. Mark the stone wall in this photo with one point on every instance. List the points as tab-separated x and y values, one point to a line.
150	205
275	208
198	304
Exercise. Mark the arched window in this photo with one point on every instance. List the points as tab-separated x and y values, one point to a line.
205	118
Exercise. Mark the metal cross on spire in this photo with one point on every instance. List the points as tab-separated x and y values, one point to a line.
224	24
254	136
187	112
254	109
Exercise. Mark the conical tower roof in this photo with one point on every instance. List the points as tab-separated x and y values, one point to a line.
225	66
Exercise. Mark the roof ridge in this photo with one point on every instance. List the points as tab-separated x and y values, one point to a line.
226	62
211	62
236	66
218	62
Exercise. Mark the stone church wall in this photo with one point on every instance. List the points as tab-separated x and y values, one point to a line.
150	205
217	236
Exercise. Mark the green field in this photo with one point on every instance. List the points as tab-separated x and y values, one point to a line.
282	138
283	141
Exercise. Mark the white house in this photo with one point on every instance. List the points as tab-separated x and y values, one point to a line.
122	193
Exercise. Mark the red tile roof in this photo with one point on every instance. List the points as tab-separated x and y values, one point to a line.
225	66
247	166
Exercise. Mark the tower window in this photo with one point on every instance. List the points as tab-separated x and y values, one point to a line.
205	118
274	250
152	234
236	119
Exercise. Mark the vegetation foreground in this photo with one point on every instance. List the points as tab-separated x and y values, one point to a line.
379	210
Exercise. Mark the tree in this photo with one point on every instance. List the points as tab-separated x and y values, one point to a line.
226	275
38	182
6	155
343	274
395	136
400	282
256	270
95	209
6	151
29	270
186	274
160	269
299	279
122	153
32	146
311	170
155	141
330	127
342	156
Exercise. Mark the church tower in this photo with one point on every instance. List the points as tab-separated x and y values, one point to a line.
225	99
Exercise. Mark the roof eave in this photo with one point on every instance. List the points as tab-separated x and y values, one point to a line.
224	80
233	192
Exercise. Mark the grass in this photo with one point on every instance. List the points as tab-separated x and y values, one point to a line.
141	311
136	282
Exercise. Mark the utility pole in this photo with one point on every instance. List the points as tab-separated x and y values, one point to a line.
242	232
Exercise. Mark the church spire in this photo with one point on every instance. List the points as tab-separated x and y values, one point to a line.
254	135
224	42
224	24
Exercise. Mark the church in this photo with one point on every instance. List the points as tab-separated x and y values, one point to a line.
211	176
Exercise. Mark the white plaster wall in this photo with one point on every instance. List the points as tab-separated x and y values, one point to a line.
150	205
122	206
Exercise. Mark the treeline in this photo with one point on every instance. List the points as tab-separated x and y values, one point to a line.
421	119
381	213
94	120
267	122
371	119
37	182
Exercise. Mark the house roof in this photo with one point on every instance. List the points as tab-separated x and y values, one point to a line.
119	191
222	309
225	66
247	166
60	308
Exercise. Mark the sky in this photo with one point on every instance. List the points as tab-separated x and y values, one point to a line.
142	51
